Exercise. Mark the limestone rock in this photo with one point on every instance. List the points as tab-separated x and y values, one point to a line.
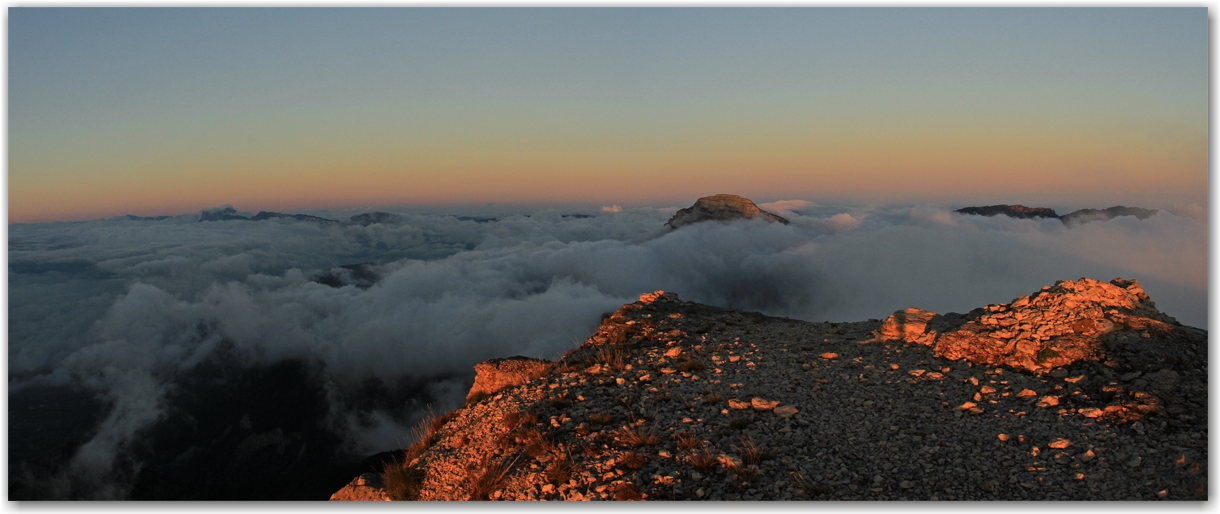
364	488
910	325
497	374
720	208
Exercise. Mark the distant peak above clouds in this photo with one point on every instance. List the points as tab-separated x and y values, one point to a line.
720	208
227	212
1070	219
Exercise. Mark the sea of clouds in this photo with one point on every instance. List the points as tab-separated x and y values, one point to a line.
122	307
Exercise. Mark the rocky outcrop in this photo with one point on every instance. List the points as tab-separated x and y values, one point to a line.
497	374
1012	211
675	400
364	488
720	208
1060	325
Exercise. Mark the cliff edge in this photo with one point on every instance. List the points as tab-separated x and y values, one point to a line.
1080	391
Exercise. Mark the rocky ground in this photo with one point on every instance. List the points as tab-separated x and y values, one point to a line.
1090	393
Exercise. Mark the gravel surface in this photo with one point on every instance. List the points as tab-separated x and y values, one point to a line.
719	404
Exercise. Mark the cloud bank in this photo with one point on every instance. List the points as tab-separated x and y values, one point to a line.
127	307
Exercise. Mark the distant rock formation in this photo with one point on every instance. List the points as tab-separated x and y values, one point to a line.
227	213
266	215
720	208
1071	219
223	213
146	218
1012	211
1087	215
370	218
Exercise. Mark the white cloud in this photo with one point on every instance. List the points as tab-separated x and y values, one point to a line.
157	297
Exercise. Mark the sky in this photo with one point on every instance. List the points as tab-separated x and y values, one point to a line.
166	111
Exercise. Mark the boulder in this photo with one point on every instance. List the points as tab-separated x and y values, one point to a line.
497	374
720	208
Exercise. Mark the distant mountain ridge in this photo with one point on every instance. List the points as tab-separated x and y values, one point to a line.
227	213
1073	218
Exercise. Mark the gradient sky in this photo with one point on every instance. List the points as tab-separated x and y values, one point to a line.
167	111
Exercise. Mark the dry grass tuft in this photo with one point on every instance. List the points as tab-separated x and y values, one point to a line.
633	460
402	482
810	489
627	492
520	418
489	476
560	471
713	399
747	474
427	433
690	365
687	440
750	453
641	436
611	356
704	461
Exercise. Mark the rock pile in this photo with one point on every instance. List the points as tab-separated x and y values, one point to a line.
677	400
720	208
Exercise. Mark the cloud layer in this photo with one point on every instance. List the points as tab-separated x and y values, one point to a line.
125	307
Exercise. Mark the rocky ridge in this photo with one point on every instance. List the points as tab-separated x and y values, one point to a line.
720	208
1077	217
681	401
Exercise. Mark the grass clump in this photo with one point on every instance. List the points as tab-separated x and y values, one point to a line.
488	477
427	433
641	436
402	482
810	489
1046	354
627	492
560	471
713	399
633	460
687	440
704	461
690	365
750	453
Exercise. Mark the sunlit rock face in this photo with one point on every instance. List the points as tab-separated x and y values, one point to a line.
720	208
1012	211
1062	324
496	374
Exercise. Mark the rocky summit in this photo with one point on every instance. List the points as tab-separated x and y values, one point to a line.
720	208
1080	391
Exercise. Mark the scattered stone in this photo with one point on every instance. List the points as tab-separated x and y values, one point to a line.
786	411
1060	443
736	404
760	404
829	355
